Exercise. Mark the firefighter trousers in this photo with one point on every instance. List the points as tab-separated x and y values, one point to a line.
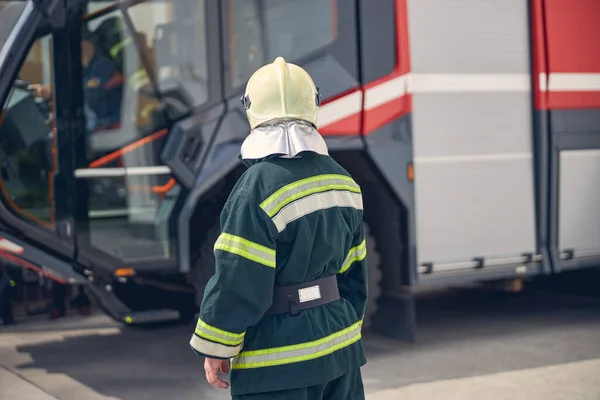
346	387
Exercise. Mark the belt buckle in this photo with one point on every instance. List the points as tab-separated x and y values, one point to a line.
309	293
305	295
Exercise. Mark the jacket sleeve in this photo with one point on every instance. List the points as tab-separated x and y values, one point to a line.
353	274
241	290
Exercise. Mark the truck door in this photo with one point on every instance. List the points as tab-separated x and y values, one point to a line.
475	196
145	66
567	63
35	153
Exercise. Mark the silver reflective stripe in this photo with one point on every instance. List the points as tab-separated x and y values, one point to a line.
316	202
300	352
305	187
213	349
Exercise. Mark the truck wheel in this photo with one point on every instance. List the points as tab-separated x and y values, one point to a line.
204	265
204	269
374	278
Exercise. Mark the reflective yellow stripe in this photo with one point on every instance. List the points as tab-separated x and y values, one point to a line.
234	337
300	352
304	187
217	339
357	253
218	335
245	248
138	79
213	349
118	47
147	109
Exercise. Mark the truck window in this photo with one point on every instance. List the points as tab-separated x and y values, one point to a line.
117	108
164	55
133	62
260	31
27	139
174	37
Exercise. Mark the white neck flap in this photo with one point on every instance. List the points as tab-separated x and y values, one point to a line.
286	138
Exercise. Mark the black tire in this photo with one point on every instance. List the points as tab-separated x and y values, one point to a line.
374	278
204	269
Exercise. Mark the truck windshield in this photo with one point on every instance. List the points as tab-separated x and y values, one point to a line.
9	15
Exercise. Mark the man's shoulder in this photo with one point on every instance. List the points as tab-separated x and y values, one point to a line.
336	167
276	173
276	176
264	178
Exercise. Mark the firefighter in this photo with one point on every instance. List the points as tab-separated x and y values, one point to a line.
283	312
102	87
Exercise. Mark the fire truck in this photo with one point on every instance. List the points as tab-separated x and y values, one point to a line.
472	126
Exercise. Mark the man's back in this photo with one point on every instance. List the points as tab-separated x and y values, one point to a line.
303	199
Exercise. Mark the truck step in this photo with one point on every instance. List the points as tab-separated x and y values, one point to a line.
20	253
117	310
145	317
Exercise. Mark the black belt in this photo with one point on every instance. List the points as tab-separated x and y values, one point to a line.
291	299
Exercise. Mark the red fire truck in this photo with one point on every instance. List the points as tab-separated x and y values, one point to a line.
472	126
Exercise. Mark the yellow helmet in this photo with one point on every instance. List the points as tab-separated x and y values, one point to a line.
281	90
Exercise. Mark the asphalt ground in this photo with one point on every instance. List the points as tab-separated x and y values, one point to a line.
472	344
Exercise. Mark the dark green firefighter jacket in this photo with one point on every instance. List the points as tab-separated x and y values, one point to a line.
287	221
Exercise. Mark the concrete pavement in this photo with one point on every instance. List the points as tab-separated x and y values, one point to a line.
12	386
472	345
573	381
39	383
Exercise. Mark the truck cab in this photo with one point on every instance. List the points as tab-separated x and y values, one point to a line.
121	127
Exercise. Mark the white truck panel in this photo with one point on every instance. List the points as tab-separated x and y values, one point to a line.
473	157
579	202
468	208
461	36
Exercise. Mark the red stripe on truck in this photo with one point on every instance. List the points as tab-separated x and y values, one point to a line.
566	39
392	98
